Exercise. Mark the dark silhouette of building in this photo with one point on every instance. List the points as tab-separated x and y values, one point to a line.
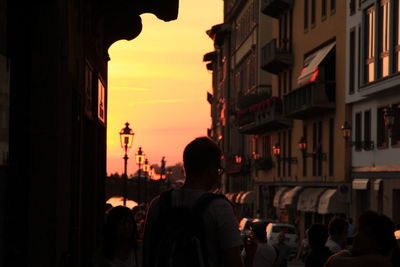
52	174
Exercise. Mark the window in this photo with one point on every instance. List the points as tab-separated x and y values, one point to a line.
352	7
382	132
384	37
245	24
313	15
396	126
88	90
279	162
352	59
367	130
359	60
314	139
398	35
331	146
370	47
285	31
284	150
333	6
305	158
101	102
305	14
323	8
319	149
290	152
284	82
358	131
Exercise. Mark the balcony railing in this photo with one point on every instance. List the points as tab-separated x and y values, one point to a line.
265	116
275	8
310	100
274	59
235	164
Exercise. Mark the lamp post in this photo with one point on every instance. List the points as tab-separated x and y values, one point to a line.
146	169
126	137
162	172
277	151
346	130
139	161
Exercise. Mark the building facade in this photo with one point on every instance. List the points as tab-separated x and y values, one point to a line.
53	104
372	90
307	56
300	162
238	84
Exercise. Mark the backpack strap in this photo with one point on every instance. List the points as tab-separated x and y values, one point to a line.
165	202
205	200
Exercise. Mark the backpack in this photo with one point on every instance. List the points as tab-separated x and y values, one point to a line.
179	234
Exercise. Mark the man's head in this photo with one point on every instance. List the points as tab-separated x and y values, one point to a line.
258	230
338	228
202	160
375	234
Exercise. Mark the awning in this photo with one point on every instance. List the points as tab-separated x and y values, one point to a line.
312	62
289	199
360	184
229	196
329	203
309	199
247	198
377	184
238	196
278	194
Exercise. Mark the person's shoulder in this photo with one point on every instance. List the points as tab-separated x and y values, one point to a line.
220	201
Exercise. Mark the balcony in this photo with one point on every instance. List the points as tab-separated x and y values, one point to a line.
262	117
235	164
274	59
275	8
310	100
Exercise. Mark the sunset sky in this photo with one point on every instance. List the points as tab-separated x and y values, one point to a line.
158	83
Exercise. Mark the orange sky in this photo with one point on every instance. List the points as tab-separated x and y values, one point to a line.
158	83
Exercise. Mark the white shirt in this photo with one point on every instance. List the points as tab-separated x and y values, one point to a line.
333	246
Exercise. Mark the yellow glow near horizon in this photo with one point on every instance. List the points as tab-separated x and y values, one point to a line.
158	83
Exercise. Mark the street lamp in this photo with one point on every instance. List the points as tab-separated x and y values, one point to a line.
303	147
277	151
139	162
146	166
146	169
346	130
126	137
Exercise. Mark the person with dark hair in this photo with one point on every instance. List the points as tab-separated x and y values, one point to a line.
317	235
373	245
220	241
257	252
119	240
337	230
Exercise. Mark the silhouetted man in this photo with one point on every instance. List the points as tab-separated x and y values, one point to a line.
337	234
203	171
